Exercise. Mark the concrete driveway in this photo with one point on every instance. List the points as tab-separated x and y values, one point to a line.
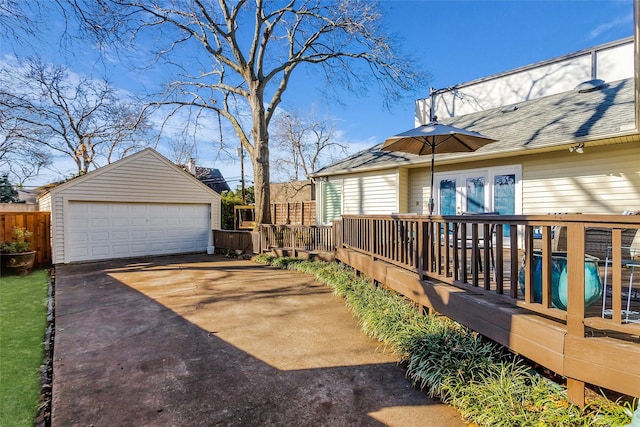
203	340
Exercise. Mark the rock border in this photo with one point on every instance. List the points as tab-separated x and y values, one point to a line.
43	419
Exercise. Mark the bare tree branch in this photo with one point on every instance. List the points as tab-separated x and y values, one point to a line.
233	57
305	143
83	119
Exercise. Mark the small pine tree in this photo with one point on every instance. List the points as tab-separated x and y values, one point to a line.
8	194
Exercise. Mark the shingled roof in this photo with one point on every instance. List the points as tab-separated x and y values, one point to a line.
213	179
542	124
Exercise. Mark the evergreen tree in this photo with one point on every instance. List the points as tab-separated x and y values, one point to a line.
8	194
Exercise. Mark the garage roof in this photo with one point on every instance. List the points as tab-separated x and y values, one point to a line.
136	174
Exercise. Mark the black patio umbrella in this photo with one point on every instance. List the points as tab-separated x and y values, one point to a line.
436	138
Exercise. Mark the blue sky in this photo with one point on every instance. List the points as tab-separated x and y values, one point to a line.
455	41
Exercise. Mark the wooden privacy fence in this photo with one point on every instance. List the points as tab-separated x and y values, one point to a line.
294	213
483	271
39	223
237	240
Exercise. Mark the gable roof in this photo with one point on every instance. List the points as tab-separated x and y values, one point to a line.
142	157
543	124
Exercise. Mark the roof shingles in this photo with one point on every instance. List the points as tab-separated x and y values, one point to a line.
555	120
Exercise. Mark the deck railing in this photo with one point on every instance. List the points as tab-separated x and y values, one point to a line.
297	237
512	260
488	252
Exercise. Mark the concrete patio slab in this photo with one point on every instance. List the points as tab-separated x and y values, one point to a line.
203	340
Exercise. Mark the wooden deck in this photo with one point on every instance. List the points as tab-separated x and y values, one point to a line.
469	267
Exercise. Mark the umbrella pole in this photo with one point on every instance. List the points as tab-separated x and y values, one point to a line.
431	192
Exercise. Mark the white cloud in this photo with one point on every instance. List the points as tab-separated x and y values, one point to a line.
603	28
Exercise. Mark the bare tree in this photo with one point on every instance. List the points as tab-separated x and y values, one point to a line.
303	144
17	19
236	57
21	157
81	118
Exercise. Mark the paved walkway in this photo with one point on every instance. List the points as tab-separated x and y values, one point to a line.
203	340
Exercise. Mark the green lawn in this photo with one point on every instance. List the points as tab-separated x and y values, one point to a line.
23	317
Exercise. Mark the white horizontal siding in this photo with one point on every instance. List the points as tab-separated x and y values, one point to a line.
57	225
370	193
147	179
44	203
402	190
603	180
419	188
216	215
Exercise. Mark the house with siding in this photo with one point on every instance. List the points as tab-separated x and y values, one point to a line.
568	142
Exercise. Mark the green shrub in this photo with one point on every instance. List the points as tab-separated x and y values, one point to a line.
511	394
20	242
447	356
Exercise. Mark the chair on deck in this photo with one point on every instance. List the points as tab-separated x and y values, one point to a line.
480	243
632	263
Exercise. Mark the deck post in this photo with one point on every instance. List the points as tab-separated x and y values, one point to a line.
513	241
528	271
420	249
372	238
499	259
575	303
575	392
546	267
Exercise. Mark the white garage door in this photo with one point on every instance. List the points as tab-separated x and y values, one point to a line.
119	230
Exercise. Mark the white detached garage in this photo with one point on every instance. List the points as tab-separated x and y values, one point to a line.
138	206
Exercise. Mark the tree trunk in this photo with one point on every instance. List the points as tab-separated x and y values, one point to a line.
261	184
260	158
